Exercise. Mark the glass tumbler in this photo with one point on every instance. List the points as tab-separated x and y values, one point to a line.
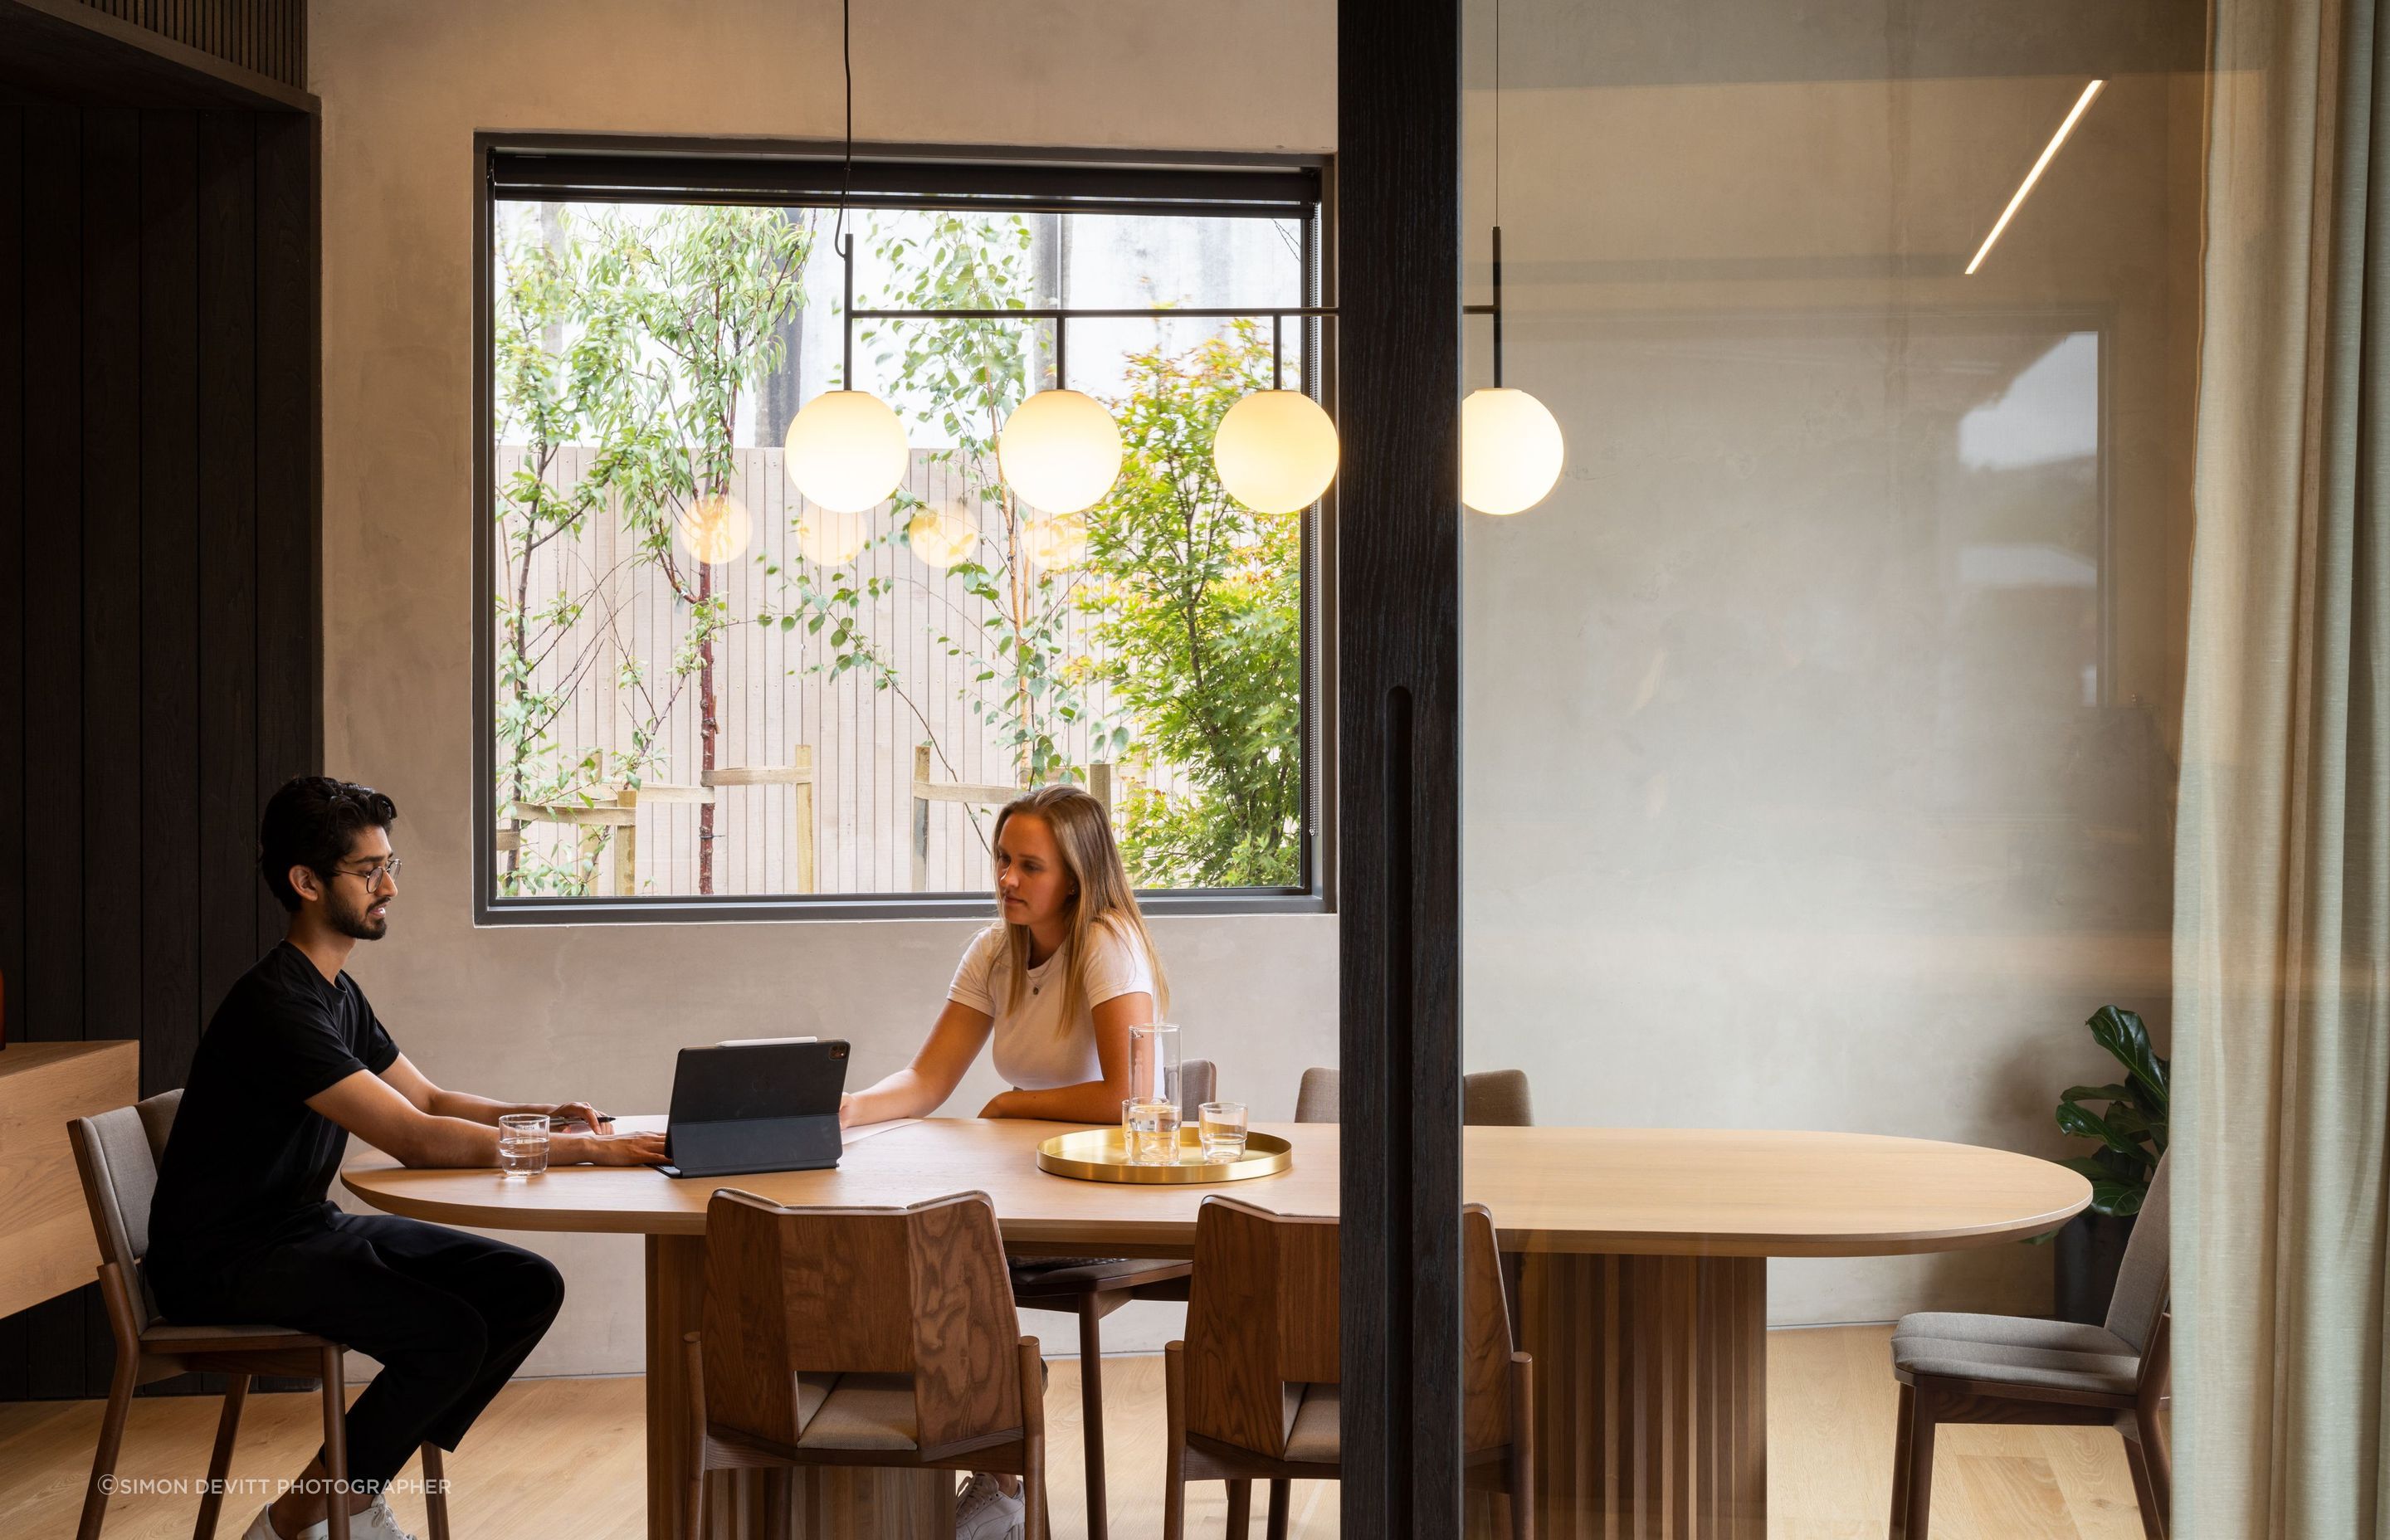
1149	1131
523	1145
1223	1131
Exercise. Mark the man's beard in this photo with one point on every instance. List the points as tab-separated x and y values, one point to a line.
356	924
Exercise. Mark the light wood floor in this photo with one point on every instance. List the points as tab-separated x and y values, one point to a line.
567	1457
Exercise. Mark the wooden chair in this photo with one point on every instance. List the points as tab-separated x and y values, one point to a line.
1091	1291
117	1154
1253	1392
2019	1369
1491	1099
871	1337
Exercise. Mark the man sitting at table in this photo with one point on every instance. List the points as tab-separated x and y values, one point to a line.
293	1062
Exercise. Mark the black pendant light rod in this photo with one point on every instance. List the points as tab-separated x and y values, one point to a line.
1496	307
1277	349
846	368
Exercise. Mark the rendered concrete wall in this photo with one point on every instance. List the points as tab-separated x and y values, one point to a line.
1789	801
598	1011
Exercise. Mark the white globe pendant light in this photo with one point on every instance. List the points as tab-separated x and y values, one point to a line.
1511	451
714	528
831	537
1060	451
1056	543
941	537
846	450
1276	451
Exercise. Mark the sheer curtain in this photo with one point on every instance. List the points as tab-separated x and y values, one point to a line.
2282	863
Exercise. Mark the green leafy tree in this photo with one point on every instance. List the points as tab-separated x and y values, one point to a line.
710	292
549	394
1202	627
673	318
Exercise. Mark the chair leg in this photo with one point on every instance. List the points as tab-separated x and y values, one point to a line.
693	1345
336	1447
111	1439
2137	1458
1037	1512
220	1460
1240	1508
1523	1447
1173	1455
1091	1414
2161	1463
1900	1457
1281	1495
1921	1462
435	1492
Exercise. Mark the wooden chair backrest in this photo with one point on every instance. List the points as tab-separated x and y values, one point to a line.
1262	1321
919	1290
1484	1335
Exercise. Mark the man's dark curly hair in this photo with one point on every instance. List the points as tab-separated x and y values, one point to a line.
312	822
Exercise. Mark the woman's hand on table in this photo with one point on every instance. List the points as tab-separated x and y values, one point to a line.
609	1149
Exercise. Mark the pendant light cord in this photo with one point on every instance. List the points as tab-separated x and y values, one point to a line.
840	241
846	65
1497	194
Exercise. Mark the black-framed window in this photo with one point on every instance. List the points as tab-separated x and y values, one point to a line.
650	318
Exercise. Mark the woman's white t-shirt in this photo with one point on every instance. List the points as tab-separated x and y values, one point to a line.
1034	1050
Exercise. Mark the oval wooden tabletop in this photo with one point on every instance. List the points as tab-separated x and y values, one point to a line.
1648	1191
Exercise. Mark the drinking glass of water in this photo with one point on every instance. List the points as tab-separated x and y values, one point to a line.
1223	1131
1150	1128
522	1144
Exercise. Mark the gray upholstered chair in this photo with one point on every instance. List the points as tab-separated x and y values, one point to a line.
1492	1098
2020	1369
117	1154
1315	1099
1090	1291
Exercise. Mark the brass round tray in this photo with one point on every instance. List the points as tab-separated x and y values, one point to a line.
1098	1155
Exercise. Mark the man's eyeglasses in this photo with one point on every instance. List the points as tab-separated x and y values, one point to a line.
371	877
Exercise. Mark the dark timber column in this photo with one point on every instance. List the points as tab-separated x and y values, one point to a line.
1398	666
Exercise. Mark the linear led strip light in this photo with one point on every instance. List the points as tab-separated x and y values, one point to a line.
2049	151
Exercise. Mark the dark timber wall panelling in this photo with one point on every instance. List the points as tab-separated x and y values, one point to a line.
160	635
269	36
1398	708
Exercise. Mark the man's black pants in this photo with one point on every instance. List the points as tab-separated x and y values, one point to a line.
449	1316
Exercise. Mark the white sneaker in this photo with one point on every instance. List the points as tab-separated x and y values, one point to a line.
376	1522
261	1528
986	1512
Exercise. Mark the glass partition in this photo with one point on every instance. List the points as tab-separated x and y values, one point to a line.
1820	724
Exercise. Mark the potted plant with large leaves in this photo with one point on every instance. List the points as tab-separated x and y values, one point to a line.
2129	1119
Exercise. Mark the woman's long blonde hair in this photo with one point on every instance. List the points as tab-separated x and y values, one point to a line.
1083	832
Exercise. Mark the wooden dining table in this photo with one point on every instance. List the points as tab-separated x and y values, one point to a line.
1640	1270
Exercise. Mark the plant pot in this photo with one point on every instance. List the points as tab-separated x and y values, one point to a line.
2087	1252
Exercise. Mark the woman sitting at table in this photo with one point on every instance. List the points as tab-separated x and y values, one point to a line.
1060	978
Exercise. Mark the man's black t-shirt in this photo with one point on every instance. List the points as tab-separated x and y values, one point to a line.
249	1160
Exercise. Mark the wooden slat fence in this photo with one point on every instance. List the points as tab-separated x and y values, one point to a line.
862	740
